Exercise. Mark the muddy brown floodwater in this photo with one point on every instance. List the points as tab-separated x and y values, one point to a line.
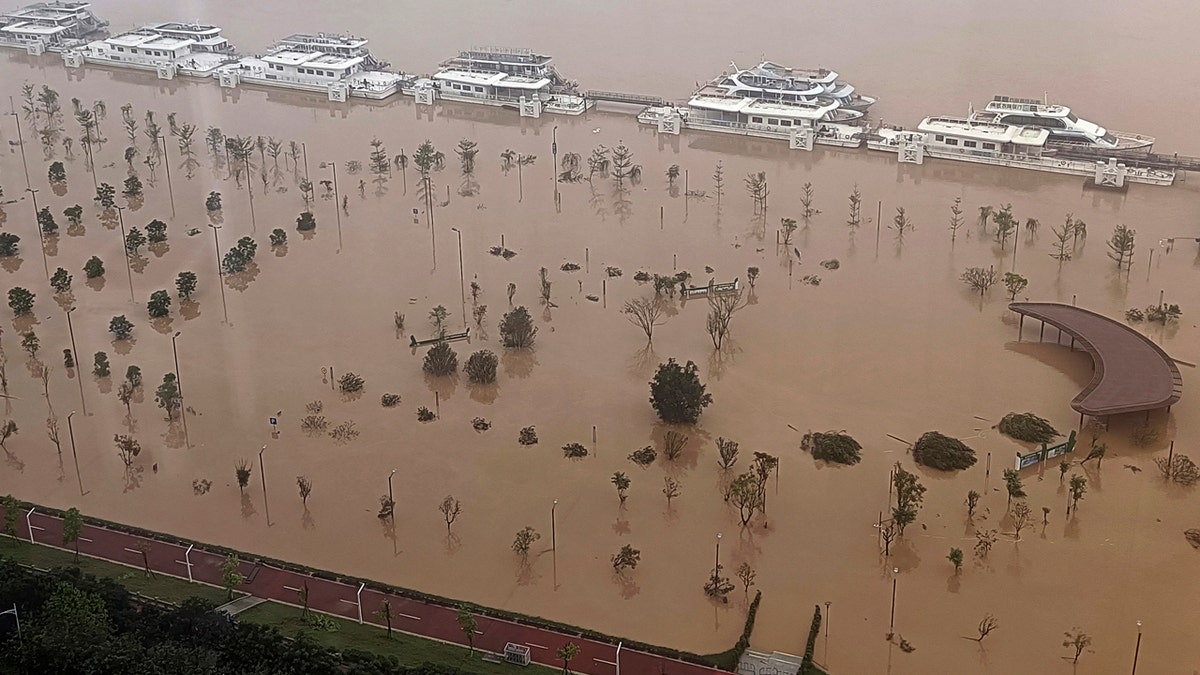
891	343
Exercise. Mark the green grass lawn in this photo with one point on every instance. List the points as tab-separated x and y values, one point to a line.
162	587
410	650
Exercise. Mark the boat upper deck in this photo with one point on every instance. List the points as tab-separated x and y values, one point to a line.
492	79
288	57
755	106
984	131
50	12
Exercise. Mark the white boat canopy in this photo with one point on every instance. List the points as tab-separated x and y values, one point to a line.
754	106
492	79
984	131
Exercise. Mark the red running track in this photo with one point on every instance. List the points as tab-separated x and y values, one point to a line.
332	597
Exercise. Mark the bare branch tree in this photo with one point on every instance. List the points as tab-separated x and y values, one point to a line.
645	314
721	309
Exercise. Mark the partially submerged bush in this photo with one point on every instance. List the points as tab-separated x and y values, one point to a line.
480	424
644	457
832	446
938	451
440	360
425	414
350	383
390	400
481	367
570	267
528	436
574	451
1027	427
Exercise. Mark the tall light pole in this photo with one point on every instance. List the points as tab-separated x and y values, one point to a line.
13	611
128	264
337	204
250	192
41	236
262	474
179	387
167	163
828	603
892	624
554	155
553	535
71	431
717	561
462	280
220	274
391	500
1137	647
20	138
78	363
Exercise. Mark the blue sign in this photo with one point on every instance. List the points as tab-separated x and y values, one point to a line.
273	421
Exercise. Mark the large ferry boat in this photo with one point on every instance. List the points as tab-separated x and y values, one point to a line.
52	26
168	48
970	139
517	78
772	81
1063	126
340	66
801	123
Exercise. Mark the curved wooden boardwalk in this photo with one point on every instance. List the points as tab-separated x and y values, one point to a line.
1132	373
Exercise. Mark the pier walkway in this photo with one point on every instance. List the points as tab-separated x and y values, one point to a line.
1132	373
1134	159
619	97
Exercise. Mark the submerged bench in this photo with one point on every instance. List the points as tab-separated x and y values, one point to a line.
414	342
710	289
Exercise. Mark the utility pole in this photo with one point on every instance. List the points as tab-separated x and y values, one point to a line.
128	264
220	275
78	362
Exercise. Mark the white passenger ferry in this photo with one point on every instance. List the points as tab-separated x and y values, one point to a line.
515	78
168	48
775	82
800	123
50	26
969	139
339	66
1064	127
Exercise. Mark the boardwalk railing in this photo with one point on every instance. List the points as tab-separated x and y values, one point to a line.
1046	453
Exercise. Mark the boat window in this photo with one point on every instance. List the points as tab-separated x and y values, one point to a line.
970	144
951	141
939	138
479	89
1072	117
120	49
756	120
785	123
1110	139
989	146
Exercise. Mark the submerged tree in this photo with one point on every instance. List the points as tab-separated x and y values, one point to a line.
901	224
979	279
677	394
645	314
855	218
1120	246
909	496
1014	283
956	218
1006	224
756	186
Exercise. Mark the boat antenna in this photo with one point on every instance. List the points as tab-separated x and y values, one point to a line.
1045	97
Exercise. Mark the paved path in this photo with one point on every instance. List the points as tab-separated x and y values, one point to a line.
331	597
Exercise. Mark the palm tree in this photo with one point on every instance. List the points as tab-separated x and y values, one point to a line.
985	214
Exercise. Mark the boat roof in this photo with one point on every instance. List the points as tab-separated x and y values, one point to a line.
984	131
492	79
324	39
779	70
149	40
288	57
521	55
192	28
31	28
1009	104
48	11
748	105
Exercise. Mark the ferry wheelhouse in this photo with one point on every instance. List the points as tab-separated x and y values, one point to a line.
191	49
801	123
772	81
1064	127
338	65
50	26
970	139
515	78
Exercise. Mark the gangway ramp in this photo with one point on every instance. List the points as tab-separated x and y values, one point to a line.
623	97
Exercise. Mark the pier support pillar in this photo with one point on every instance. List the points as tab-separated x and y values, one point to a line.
424	95
801	138
1110	174
229	79
911	148
670	122
35	48
72	59
531	107
165	71
338	92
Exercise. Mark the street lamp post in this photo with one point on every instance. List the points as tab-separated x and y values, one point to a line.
717	560
78	363
220	274
167	163
20	139
38	225
462	280
263	475
337	204
828	603
71	431
553	536
391	500
179	387
554	154
128	263
1137	647
892	624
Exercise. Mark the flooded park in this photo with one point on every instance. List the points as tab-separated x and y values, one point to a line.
860	323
